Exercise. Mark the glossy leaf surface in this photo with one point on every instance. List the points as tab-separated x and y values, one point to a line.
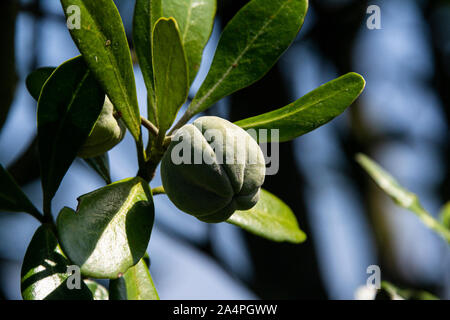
102	41
249	46
195	19
111	229
270	218
136	284
309	112
171	73
98	291
146	13
69	105
44	271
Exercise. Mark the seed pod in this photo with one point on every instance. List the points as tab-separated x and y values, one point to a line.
213	168
105	135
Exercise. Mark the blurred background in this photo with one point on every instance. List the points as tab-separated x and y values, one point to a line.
402	120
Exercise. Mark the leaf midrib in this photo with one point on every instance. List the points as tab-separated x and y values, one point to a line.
187	25
296	110
115	65
237	60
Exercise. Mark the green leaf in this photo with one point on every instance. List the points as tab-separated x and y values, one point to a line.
12	197
136	284
103	43
44	271
250	45
395	293
195	20
445	215
270	218
309	112
36	80
70	103
170	70
100	165
98	291
111	229
146	13
401	196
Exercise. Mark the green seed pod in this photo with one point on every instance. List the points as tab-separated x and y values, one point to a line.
107	133
213	168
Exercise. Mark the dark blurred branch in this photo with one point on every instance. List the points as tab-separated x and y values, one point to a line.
439	42
8	77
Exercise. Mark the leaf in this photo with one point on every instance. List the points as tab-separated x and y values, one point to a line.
44	271
250	45
171	73
12	197
445	215
309	112
270	218
195	19
400	195
136	284
395	293
100	165
70	103
98	291
36	80
111	229
103	44
146	13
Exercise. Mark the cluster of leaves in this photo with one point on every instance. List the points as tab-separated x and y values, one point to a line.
109	232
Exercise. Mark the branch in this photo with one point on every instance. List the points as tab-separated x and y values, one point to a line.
150	126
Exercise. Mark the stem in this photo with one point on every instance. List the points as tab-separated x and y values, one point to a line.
150	126
158	190
48	217
142	160
430	222
37	215
184	119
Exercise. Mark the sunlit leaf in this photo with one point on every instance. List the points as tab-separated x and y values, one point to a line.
391	292
401	196
249	46
171	73
309	112
445	215
111	229
98	291
146	13
195	19
136	284
44	271
270	218
69	105
103	43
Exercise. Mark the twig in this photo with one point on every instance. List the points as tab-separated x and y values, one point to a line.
158	190
150	126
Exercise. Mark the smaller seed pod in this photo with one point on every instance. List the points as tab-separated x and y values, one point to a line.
105	135
213	168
